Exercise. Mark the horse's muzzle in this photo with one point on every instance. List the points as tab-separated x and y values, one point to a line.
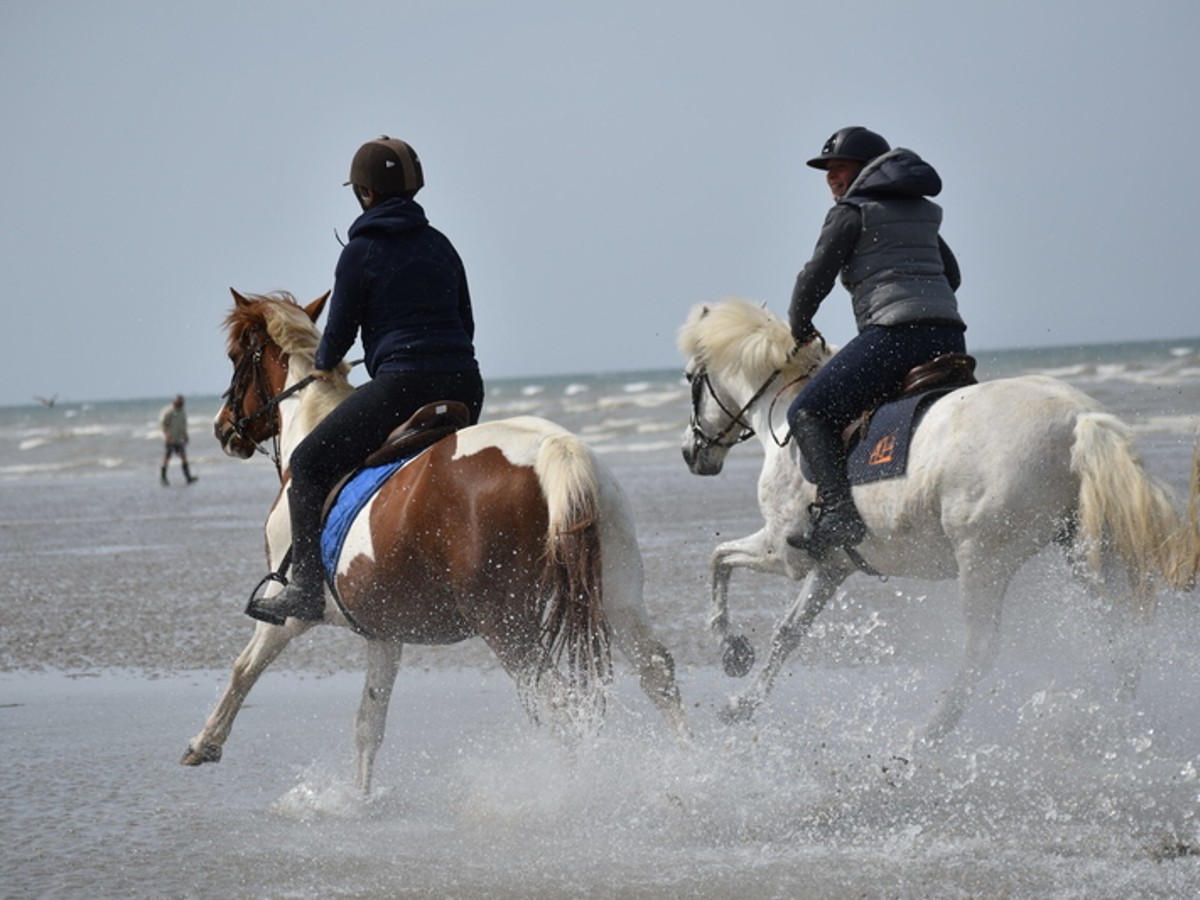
230	441
702	460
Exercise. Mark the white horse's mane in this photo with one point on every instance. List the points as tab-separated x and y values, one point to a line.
738	338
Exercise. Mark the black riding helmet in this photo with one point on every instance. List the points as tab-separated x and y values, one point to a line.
855	142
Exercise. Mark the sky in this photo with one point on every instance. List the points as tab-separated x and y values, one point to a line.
601	167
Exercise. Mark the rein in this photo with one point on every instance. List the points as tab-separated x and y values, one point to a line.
267	403
701	382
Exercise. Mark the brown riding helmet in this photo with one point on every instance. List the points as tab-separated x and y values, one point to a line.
388	166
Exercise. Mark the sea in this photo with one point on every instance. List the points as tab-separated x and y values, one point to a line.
121	612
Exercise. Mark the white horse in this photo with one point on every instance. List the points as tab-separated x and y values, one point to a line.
996	472
512	530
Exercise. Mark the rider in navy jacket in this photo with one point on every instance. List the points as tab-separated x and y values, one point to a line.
882	237
393	252
401	284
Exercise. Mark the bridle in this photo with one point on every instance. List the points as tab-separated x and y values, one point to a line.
251	363
701	384
235	399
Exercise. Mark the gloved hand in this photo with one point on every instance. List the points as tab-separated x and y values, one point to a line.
805	336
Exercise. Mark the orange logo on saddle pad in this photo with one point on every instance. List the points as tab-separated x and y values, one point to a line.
883	451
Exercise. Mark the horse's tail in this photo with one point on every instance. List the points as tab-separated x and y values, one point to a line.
1124	510
573	620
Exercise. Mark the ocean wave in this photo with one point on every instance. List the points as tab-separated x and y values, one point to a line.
625	446
1183	424
24	470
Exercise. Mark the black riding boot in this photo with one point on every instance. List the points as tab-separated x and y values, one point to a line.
835	521
304	596
187	473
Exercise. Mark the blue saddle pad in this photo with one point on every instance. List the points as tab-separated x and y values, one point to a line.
883	452
353	496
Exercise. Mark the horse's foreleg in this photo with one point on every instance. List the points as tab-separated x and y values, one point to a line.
821	584
267	642
383	662
983	579
752	552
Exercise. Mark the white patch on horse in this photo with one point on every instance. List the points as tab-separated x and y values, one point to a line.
358	541
519	438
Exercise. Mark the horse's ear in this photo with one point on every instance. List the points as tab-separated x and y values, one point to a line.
314	309
238	298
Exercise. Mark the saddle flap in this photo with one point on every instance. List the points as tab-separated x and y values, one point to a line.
426	426
948	371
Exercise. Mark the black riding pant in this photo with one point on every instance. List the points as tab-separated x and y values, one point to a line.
355	428
871	369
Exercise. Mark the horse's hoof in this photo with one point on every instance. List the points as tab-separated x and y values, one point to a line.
206	753
897	770
738	711
737	656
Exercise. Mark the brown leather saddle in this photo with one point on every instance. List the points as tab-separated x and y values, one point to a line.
947	372
423	429
426	426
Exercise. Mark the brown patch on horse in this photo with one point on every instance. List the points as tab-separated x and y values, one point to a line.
453	582
535	600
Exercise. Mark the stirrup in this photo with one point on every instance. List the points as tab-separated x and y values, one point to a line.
818	541
277	609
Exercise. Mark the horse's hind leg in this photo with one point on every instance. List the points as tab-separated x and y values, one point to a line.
1125	627
655	666
983	579
383	662
267	642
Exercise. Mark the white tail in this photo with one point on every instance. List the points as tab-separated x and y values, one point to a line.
1125	511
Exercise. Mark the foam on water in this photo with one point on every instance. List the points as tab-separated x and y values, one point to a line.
1051	787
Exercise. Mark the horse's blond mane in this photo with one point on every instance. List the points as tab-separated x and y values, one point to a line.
742	339
288	325
285	321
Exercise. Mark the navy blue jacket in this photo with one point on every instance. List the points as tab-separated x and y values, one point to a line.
401	282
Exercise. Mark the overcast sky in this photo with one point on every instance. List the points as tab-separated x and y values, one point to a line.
600	166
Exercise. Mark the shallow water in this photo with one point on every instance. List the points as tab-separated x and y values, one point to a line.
122	611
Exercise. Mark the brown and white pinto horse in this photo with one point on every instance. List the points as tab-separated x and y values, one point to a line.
511	530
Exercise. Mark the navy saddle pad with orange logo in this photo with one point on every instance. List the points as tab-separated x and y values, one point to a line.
883	452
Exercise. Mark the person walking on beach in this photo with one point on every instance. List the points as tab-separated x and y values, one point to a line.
882	236
174	424
400	282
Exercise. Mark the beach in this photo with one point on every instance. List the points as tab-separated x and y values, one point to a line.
122	611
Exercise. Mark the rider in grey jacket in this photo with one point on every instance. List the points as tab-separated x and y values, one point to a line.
882	237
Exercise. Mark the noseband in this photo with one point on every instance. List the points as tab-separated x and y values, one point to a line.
234	398
700	384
